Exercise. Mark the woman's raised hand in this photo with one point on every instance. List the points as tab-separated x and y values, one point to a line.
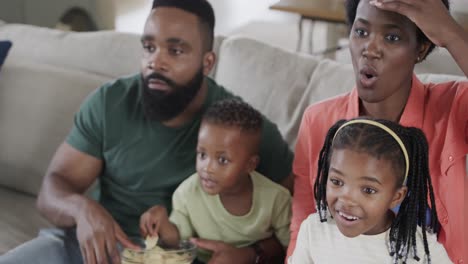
431	16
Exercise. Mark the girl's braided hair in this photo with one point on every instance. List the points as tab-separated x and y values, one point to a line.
380	144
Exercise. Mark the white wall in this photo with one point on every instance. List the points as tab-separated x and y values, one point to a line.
230	14
459	5
131	15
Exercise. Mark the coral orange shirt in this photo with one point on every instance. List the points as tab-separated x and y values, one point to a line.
440	110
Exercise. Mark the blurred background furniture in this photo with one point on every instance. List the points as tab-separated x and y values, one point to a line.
330	11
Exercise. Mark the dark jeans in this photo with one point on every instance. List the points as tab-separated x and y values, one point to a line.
51	246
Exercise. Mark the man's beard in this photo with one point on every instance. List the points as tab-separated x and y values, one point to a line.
163	106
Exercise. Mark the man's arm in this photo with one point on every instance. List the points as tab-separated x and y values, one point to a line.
69	175
62	201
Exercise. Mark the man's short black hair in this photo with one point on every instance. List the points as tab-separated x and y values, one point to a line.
201	8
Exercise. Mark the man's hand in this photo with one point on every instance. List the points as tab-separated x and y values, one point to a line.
224	253
152	220
98	234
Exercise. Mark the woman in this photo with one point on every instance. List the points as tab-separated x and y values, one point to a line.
387	39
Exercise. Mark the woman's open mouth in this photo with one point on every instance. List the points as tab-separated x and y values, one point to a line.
367	76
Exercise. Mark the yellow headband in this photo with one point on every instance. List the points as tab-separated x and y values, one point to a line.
388	130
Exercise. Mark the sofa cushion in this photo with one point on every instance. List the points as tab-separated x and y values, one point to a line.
4	48
21	221
37	104
279	83
106	53
103	53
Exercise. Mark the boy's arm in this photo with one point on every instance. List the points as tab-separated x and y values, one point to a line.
268	250
169	234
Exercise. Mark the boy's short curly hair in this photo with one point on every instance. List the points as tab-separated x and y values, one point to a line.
234	113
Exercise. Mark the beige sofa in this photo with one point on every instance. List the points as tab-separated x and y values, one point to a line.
48	73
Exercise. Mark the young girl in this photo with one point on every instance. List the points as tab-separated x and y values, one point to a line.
227	205
366	168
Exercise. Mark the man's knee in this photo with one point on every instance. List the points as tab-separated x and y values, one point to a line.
48	247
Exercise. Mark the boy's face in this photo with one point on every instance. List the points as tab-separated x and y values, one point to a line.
224	158
361	190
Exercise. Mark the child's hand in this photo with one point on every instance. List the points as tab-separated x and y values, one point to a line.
153	220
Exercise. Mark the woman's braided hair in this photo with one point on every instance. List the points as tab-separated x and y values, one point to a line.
380	144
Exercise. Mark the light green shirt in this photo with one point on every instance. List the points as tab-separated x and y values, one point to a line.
198	214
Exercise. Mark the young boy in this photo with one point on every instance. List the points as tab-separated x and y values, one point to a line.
226	200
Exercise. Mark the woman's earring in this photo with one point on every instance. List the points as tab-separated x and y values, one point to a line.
419	59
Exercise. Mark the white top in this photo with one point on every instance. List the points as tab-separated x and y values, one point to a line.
323	243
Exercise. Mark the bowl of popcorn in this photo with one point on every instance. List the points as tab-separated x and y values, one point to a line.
153	253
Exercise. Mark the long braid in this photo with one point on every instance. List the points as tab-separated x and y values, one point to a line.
413	208
378	143
320	185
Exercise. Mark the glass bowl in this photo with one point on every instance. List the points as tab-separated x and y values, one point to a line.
185	253
132	256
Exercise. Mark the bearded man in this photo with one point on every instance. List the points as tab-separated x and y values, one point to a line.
138	136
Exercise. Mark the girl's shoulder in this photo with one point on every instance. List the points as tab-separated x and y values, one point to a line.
320	230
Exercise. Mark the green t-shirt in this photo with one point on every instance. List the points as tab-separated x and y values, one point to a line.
145	161
198	214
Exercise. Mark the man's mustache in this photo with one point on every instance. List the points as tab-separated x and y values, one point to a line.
160	77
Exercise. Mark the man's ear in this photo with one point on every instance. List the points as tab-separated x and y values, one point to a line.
209	60
253	163
399	196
